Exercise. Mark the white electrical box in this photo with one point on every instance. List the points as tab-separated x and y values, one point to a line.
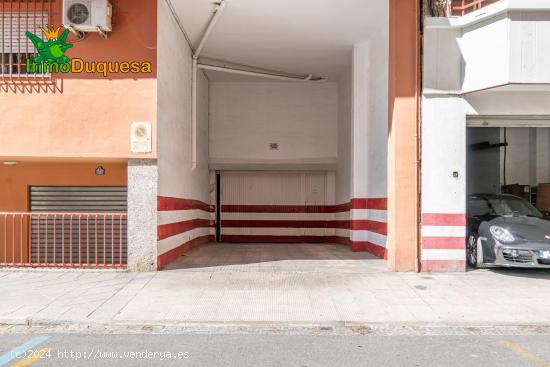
141	137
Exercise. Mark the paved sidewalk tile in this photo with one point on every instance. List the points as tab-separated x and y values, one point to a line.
277	285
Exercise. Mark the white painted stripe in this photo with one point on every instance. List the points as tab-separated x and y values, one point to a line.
278	216
342	232
342	216
443	231
277	231
169	243
173	216
370	214
368	236
443	254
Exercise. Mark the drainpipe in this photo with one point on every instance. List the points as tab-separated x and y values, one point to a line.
213	21
194	115
308	77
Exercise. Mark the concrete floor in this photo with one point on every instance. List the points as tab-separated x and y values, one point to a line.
275	285
277	257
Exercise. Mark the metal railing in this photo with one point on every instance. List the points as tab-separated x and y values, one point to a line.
463	7
77	240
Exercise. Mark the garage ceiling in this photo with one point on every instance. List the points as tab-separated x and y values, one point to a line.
295	36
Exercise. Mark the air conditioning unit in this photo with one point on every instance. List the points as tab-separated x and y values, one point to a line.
88	15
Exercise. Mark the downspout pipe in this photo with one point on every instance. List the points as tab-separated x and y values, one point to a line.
196	53
194	115
308	77
209	29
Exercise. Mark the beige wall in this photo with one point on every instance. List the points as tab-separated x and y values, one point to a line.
91	118
245	117
88	115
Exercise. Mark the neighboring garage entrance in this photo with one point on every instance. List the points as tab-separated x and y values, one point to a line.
281	207
507	156
510	155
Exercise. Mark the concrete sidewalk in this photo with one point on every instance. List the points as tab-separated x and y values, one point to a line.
301	291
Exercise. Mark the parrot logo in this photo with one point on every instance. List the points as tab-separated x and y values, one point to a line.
53	50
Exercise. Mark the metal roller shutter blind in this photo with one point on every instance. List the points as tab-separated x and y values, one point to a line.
96	234
508	121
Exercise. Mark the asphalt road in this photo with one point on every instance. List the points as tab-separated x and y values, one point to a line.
272	350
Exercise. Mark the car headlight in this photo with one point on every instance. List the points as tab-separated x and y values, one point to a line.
501	234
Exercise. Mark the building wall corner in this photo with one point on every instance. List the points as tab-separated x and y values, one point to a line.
142	214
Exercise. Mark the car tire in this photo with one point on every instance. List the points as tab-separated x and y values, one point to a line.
473	249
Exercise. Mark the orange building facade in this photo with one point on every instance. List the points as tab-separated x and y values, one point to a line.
74	131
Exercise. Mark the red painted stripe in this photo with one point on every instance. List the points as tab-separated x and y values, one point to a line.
443	265
341	208
365	203
438	219
172	229
444	243
344	224
342	240
169	203
370	203
355	246
374	249
356	224
173	254
369	225
226	208
275	239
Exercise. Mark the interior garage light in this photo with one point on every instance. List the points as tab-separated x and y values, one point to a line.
10	163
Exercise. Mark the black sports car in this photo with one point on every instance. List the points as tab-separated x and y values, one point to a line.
506	230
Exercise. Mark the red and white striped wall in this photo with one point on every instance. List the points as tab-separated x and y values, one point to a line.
368	228
280	223
369	225
361	224
182	225
443	242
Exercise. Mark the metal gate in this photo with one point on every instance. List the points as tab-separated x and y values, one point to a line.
78	225
265	206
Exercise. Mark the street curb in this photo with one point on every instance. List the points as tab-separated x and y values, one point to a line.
20	325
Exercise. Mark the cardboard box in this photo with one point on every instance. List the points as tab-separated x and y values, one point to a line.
523	191
543	197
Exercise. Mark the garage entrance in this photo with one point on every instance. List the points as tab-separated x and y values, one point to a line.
507	156
510	155
278	221
276	207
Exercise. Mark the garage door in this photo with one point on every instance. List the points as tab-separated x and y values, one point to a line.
508	121
269	207
75	239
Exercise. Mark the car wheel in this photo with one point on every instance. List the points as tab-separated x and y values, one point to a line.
471	250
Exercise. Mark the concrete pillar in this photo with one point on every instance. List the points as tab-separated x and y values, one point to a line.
403	137
368	144
142	214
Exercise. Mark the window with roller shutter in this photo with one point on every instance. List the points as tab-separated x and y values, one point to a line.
16	47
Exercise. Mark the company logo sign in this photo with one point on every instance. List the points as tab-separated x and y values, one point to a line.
52	59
